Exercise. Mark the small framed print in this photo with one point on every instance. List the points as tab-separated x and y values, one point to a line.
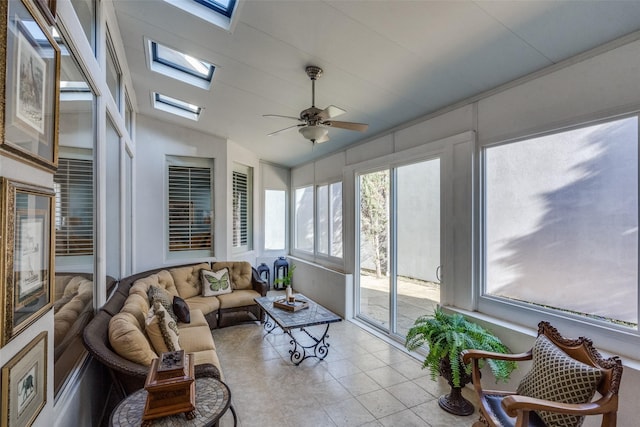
24	384
26	254
29	85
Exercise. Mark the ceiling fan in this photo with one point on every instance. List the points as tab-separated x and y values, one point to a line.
314	121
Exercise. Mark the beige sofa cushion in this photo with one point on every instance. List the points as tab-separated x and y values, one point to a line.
208	356
187	279
205	304
197	319
240	272
238	299
128	340
196	339
162	280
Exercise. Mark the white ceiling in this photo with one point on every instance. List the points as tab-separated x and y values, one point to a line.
385	62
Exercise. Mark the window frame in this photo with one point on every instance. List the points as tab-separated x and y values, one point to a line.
285	220
294	224
494	308
216	7
247	171
329	223
172	105
189	162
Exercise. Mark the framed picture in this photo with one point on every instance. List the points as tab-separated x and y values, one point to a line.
24	384
48	8
27	255
29	85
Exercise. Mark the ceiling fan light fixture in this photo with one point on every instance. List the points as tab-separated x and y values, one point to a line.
313	133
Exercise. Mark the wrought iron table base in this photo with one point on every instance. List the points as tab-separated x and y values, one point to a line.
319	349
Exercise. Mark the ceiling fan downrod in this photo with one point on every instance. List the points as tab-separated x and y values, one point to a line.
314	73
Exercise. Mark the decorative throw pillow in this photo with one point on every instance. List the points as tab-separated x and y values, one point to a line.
162	330
557	377
215	282
163	297
181	309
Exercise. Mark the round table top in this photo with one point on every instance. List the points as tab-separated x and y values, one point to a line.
212	401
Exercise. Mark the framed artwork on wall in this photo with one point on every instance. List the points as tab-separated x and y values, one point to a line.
24	384
48	8
26	255
29	85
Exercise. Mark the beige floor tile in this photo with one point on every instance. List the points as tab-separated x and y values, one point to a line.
381	403
437	417
405	418
342	368
410	394
366	362
329	392
386	376
348	413
411	369
359	384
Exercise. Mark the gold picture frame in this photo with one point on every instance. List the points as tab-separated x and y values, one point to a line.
24	384
48	8
26	255
29	86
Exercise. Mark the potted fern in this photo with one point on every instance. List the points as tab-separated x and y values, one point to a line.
446	336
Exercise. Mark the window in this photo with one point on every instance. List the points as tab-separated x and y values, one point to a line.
303	219
242	208
216	12
86	13
275	220
329	213
113	72
175	106
223	7
561	223
73	183
128	115
180	66
190	207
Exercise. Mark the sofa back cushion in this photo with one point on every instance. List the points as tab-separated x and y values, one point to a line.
161	279
239	271
187	279
128	340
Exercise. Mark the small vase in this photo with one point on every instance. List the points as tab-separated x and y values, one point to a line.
289	294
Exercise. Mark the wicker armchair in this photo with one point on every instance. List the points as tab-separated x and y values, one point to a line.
502	409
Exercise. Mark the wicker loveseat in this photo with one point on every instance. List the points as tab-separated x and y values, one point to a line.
116	336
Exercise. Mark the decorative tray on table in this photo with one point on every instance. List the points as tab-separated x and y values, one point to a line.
291	306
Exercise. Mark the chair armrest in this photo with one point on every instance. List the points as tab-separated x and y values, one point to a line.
468	355
258	284
515	402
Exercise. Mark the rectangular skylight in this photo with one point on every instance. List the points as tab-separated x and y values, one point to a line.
176	106
217	12
223	7
181	61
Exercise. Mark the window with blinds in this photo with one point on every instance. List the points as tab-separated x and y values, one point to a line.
73	184
242	208
190	208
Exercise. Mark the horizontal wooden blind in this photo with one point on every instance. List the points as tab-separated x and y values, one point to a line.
190	208
73	183
240	209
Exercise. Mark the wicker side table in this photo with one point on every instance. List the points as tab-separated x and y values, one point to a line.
212	401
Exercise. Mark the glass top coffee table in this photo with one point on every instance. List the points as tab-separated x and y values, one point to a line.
313	315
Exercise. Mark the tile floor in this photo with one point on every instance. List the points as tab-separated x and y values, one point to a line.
364	381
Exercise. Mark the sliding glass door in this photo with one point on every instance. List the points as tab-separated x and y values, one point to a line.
399	245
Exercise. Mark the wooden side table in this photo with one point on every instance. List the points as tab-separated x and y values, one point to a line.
212	401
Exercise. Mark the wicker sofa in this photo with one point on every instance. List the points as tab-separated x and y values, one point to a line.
117	338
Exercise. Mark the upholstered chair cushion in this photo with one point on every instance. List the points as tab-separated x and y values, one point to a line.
128	340
181	309
187	280
138	306
162	330
558	377
215	282
204	304
240	272
240	298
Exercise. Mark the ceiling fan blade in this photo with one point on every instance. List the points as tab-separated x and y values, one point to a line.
360	127
285	129
331	111
280	116
323	139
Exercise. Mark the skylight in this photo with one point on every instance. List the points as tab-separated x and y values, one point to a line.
216	12
176	106
223	7
180	66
